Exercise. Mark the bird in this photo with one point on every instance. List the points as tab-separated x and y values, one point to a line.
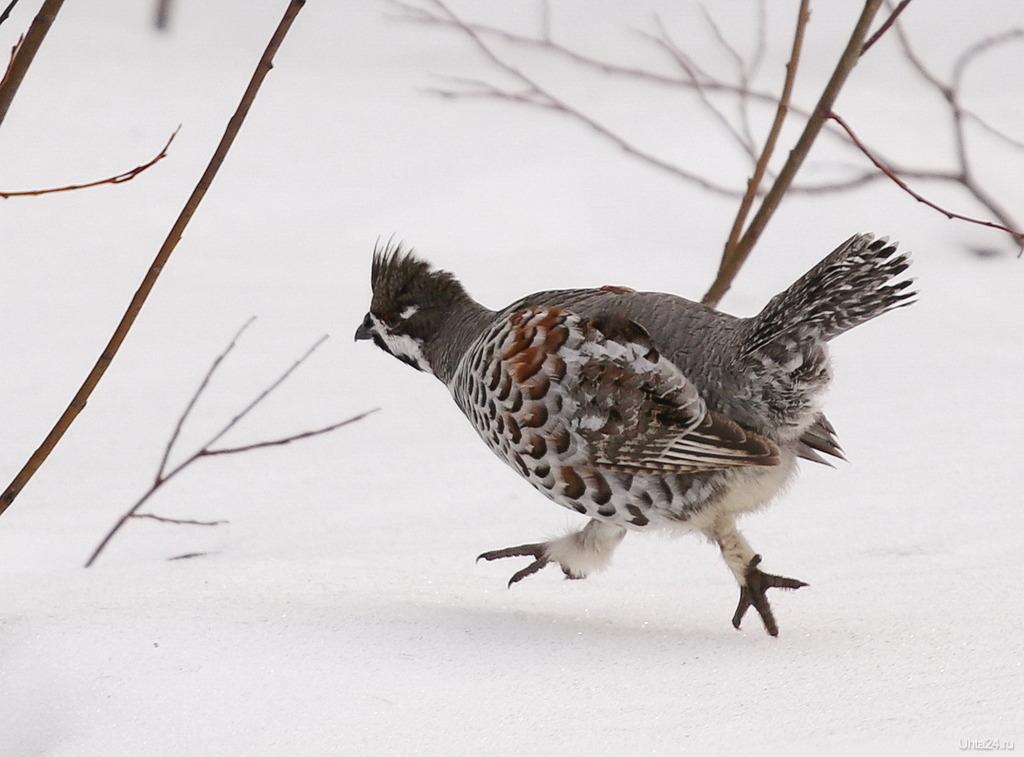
640	410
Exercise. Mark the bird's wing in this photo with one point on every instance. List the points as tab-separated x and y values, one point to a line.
636	410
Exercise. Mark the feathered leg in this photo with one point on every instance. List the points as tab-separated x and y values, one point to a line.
743	563
579	553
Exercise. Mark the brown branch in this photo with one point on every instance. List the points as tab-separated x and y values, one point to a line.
538	96
885	25
173	237
1017	235
664	40
163	14
732	243
950	93
264	394
708	83
178	521
983	45
703	83
197	394
285	439
534	95
10	62
7	10
26	53
818	118
120	178
992	130
164	475
751	70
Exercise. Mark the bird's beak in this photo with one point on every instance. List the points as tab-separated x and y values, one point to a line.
365	330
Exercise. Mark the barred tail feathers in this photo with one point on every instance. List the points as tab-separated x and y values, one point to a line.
849	287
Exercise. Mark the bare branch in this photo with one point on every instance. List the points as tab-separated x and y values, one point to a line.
286	439
538	96
753	67
7	10
532	94
732	243
173	237
179	521
120	178
664	40
162	18
164	475
762	41
529	92
545	19
162	469
782	183
421	15
26	53
1000	135
265	393
885	25
10	61
723	42
950	93
980	47
1017	235
916	63
187	556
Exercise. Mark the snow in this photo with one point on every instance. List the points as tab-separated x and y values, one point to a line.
341	612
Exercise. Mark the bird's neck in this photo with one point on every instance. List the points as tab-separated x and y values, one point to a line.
463	324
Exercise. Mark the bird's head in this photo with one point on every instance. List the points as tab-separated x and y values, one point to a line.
409	304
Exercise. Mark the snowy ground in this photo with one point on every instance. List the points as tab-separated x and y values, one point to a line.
341	612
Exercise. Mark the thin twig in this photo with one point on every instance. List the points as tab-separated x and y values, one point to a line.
162	469
173	237
120	178
1017	235
178	521
538	96
959	115
285	439
983	45
10	61
664	40
164	475
26	53
732	243
818	118
7	10
998	134
534	95
163	14
703	83
751	70
264	393
885	25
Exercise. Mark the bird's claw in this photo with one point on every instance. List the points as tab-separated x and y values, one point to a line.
536	551
753	594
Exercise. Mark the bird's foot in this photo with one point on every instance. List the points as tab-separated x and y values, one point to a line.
537	551
753	594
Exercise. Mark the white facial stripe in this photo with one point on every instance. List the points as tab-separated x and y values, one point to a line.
402	345
409	312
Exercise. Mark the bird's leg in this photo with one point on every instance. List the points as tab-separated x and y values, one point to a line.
578	553
743	563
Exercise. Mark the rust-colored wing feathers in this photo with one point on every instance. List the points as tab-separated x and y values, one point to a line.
638	411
